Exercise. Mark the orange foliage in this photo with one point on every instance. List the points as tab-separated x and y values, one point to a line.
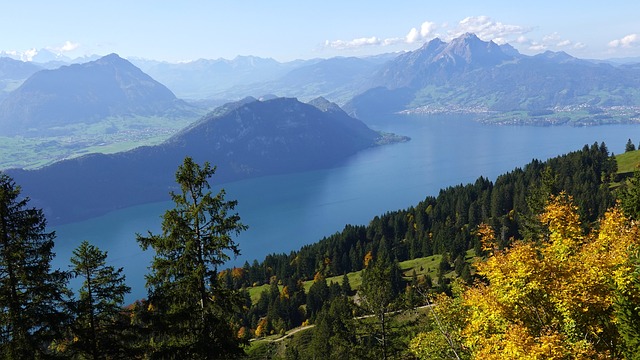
237	273
367	258
318	277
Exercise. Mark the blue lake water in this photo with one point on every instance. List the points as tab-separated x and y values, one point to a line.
287	211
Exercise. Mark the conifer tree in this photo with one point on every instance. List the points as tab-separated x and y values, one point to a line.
629	195
629	146
380	287
31	294
99	307
193	310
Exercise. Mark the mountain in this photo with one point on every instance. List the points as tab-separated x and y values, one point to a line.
13	73
205	78
471	75
84	93
338	79
249	138
16	69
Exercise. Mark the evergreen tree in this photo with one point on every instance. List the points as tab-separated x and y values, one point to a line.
31	294
334	334
630	146
627	310
99	307
196	239
317	296
378	295
346	286
629	195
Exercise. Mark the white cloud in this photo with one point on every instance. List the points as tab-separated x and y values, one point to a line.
500	41
534	46
551	41
484	27
426	32
579	45
627	41
555	41
415	35
26	55
487	29
551	38
66	47
29	54
351	44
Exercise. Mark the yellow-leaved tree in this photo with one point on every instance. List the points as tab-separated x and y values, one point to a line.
554	298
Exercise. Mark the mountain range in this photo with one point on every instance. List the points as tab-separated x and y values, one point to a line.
466	74
84	93
248	138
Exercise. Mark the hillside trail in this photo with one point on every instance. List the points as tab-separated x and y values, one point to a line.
302	328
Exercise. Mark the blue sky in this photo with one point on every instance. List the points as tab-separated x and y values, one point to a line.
286	30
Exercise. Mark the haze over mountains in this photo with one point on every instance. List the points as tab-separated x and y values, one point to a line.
472	75
84	93
466	74
246	139
255	138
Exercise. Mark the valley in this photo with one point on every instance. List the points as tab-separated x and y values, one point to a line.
111	135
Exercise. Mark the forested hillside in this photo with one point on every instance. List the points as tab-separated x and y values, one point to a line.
447	223
539	263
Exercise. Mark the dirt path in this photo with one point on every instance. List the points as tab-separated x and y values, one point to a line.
302	328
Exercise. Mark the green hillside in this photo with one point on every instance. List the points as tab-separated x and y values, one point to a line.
628	162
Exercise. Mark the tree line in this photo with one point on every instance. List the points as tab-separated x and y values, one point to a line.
446	224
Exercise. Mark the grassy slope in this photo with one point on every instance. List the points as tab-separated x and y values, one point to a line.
422	266
628	162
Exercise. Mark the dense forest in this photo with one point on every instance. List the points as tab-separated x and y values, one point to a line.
543	262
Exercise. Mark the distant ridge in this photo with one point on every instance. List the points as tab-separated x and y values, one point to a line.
476	76
16	69
249	138
84	93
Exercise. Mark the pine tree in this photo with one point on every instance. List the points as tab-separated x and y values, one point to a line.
629	195
31	294
629	146
192	309
100	304
378	293
334	334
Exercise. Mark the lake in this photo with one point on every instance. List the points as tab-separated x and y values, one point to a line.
287	211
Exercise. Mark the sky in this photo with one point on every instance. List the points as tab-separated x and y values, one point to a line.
285	30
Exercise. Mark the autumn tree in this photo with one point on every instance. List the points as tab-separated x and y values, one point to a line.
98	310
32	295
554	298
197	238
442	339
